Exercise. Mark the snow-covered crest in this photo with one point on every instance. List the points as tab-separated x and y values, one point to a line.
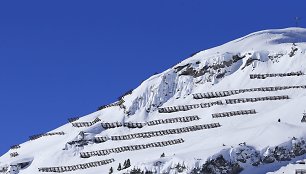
134	127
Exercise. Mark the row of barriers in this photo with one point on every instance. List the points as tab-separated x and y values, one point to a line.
117	103
238	91
34	137
86	124
149	123
173	120
75	167
264	76
165	132
188	107
256	99
119	124
130	148
233	113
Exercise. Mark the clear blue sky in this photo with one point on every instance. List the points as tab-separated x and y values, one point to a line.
60	59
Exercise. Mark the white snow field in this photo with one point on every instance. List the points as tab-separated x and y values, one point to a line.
263	71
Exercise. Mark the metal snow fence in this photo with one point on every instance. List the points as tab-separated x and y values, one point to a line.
264	76
188	107
173	120
130	148
164	132
233	92
255	99
100	139
34	137
61	169
234	113
86	124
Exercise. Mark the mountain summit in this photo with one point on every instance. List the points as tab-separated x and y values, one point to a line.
235	108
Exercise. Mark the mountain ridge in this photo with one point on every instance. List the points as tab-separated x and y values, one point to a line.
275	55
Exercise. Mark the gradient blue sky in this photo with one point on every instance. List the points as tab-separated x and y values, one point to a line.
60	59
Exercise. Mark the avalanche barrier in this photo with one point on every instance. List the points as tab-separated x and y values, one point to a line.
75	167
130	148
256	99
165	132
238	91
188	107
34	137
233	113
264	76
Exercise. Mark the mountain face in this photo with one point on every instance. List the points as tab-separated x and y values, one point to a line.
235	108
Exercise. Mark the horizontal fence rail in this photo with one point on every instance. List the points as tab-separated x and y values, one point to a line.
117	103
264	76
188	107
256	99
238	91
86	124
111	125
75	167
34	137
165	132
100	139
130	148
119	124
134	125
233	113
173	120
149	123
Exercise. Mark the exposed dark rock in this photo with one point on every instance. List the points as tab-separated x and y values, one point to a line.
293	50
179	68
256	163
221	75
191	71
268	159
237	57
249	62
219	165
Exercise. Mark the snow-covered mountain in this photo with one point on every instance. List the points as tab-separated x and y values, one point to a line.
238	107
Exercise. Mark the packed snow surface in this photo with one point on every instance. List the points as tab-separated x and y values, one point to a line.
223	68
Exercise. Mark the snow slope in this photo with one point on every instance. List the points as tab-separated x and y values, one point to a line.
226	67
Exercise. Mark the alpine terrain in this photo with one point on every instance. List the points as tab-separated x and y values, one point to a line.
236	108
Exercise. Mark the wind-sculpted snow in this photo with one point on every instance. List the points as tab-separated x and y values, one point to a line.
158	90
212	65
252	86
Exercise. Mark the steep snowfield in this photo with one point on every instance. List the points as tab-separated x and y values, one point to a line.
223	68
